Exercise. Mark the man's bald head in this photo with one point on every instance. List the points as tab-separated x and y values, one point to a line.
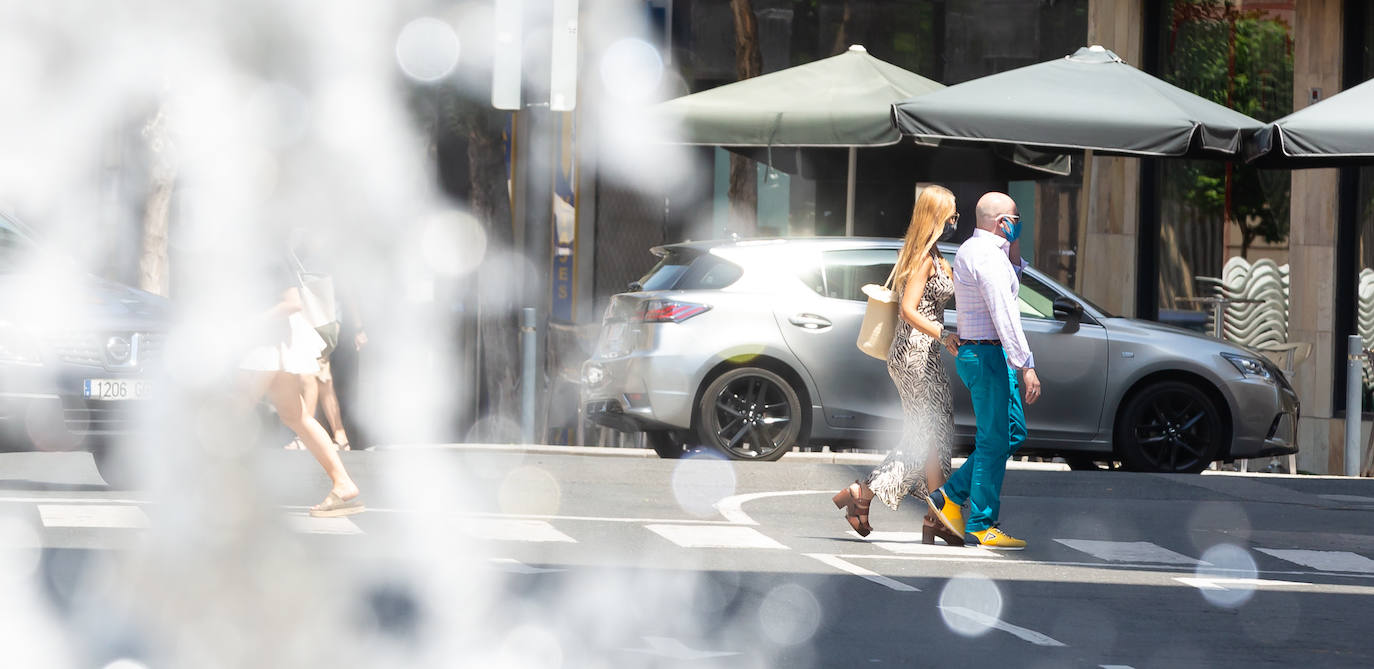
990	206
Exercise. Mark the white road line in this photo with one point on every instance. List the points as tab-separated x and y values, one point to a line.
93	516
69	500
1129	551
1214	583
307	524
956	555
851	568
518	567
989	621
732	507
514	530
715	536
1339	561
909	543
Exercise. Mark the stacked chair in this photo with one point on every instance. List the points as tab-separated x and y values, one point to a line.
1263	325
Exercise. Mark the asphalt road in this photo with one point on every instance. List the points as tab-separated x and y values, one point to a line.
549	560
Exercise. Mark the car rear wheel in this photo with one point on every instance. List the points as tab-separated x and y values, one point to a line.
1169	427
750	413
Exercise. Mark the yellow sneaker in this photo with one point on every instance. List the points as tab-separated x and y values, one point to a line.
951	515
994	538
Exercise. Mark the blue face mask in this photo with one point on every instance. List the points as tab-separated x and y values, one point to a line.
1012	228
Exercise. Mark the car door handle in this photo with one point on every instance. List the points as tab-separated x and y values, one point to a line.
810	321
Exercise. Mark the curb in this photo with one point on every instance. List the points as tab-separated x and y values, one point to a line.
825	457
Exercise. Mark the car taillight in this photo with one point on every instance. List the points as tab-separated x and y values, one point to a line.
669	311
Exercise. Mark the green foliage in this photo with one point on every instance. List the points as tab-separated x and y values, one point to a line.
1244	60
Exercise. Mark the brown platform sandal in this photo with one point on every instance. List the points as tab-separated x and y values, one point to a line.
855	507
931	528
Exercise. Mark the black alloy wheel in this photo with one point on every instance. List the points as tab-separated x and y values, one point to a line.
750	413
1170	427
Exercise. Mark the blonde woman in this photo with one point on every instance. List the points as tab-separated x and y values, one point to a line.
920	463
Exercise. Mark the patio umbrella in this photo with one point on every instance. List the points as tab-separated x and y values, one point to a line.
1091	100
1335	132
839	103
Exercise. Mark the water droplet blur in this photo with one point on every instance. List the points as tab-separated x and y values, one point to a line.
532	647
700	480
20	551
453	243
1231	567
631	70
427	49
970	604
126	663
529	491
789	615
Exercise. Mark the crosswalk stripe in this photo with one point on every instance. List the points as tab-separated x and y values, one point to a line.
307	524
849	567
499	529
1324	560
715	536
1128	551
103	516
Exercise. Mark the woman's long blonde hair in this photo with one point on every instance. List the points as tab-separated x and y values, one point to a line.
934	205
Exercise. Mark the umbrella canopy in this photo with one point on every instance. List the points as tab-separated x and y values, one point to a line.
841	101
1091	100
1337	131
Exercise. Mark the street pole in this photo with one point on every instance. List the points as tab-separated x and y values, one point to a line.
529	373
533	172
1354	367
849	192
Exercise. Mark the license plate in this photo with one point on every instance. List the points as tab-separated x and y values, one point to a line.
116	389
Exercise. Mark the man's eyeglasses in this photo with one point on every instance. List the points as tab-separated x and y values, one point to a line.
1014	217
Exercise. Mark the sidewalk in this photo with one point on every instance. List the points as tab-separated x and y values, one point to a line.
826	457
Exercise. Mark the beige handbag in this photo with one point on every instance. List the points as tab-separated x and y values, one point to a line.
880	318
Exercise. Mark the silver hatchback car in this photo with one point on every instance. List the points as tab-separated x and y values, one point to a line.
749	347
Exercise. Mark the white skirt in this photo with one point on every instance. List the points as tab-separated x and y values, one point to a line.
299	354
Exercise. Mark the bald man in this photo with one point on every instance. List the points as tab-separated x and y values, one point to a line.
987	273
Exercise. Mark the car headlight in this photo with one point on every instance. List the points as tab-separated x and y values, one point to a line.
1249	366
16	346
593	375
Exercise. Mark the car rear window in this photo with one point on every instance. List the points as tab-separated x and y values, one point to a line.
842	274
681	270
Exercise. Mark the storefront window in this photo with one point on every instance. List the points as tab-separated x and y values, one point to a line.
1364	292
1221	223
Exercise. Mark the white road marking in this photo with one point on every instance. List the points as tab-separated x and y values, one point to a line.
68	500
1129	551
732	507
518	567
1215	583
514	530
669	647
1341	561
989	621
93	516
849	567
1115	666
909	543
715	536
308	524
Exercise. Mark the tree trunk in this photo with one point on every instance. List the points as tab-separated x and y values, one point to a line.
744	185
842	34
498	327
152	257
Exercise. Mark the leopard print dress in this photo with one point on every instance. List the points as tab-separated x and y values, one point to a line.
915	365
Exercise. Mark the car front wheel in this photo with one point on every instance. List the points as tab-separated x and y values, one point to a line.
750	413
1170	426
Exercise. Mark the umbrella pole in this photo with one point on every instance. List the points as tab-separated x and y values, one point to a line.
849	192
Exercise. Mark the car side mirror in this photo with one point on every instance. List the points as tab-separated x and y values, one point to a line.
636	286
1069	311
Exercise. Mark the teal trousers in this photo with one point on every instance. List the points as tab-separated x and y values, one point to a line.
1001	423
